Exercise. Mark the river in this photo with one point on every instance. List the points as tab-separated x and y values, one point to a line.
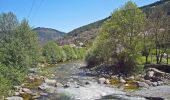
81	86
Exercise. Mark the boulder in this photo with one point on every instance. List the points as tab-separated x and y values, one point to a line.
157	72
102	80
143	84
14	98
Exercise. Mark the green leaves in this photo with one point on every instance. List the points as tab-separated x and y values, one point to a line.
19	51
54	53
119	40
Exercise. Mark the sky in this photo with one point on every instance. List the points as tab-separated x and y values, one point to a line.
63	15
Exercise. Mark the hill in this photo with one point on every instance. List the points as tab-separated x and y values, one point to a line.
86	34
46	34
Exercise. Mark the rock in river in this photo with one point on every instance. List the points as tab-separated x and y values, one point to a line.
14	98
102	80
143	84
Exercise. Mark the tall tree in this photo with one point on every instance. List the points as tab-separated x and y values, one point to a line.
120	37
159	24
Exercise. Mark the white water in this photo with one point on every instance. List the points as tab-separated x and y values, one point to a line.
91	91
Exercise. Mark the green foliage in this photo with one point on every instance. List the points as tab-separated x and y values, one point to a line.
70	52
47	34
19	51
5	86
9	77
119	41
52	52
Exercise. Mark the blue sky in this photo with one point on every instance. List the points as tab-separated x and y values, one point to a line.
63	15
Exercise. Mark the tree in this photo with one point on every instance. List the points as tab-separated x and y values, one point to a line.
159	26
69	51
120	37
52	52
18	51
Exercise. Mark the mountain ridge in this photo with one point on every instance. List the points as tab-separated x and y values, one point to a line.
87	33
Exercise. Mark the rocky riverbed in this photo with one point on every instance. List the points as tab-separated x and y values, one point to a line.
70	82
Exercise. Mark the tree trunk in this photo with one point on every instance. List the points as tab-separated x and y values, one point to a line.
167	59
146	59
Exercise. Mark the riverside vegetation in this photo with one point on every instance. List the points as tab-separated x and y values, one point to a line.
129	36
20	51
124	43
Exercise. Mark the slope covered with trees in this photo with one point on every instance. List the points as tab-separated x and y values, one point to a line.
47	34
87	34
129	35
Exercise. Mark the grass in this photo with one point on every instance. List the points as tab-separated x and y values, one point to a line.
151	59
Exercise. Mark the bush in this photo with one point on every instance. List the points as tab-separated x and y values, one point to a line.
9	77
5	86
70	53
52	52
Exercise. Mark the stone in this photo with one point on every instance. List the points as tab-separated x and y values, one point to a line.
77	86
102	80
157	72
59	84
16	93
131	78
122	80
114	77
42	87
154	83
127	85
143	84
44	94
50	81
14	98
148	82
159	83
87	83
107	81
26	90
150	74
67	85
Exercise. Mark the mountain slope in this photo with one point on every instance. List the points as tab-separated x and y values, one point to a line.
46	34
86	34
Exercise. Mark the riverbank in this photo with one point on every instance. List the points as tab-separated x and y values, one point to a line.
69	81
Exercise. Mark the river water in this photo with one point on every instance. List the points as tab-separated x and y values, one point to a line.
81	86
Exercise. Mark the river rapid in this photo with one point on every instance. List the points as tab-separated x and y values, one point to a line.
80	86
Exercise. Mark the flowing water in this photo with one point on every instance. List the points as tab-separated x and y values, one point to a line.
81	86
